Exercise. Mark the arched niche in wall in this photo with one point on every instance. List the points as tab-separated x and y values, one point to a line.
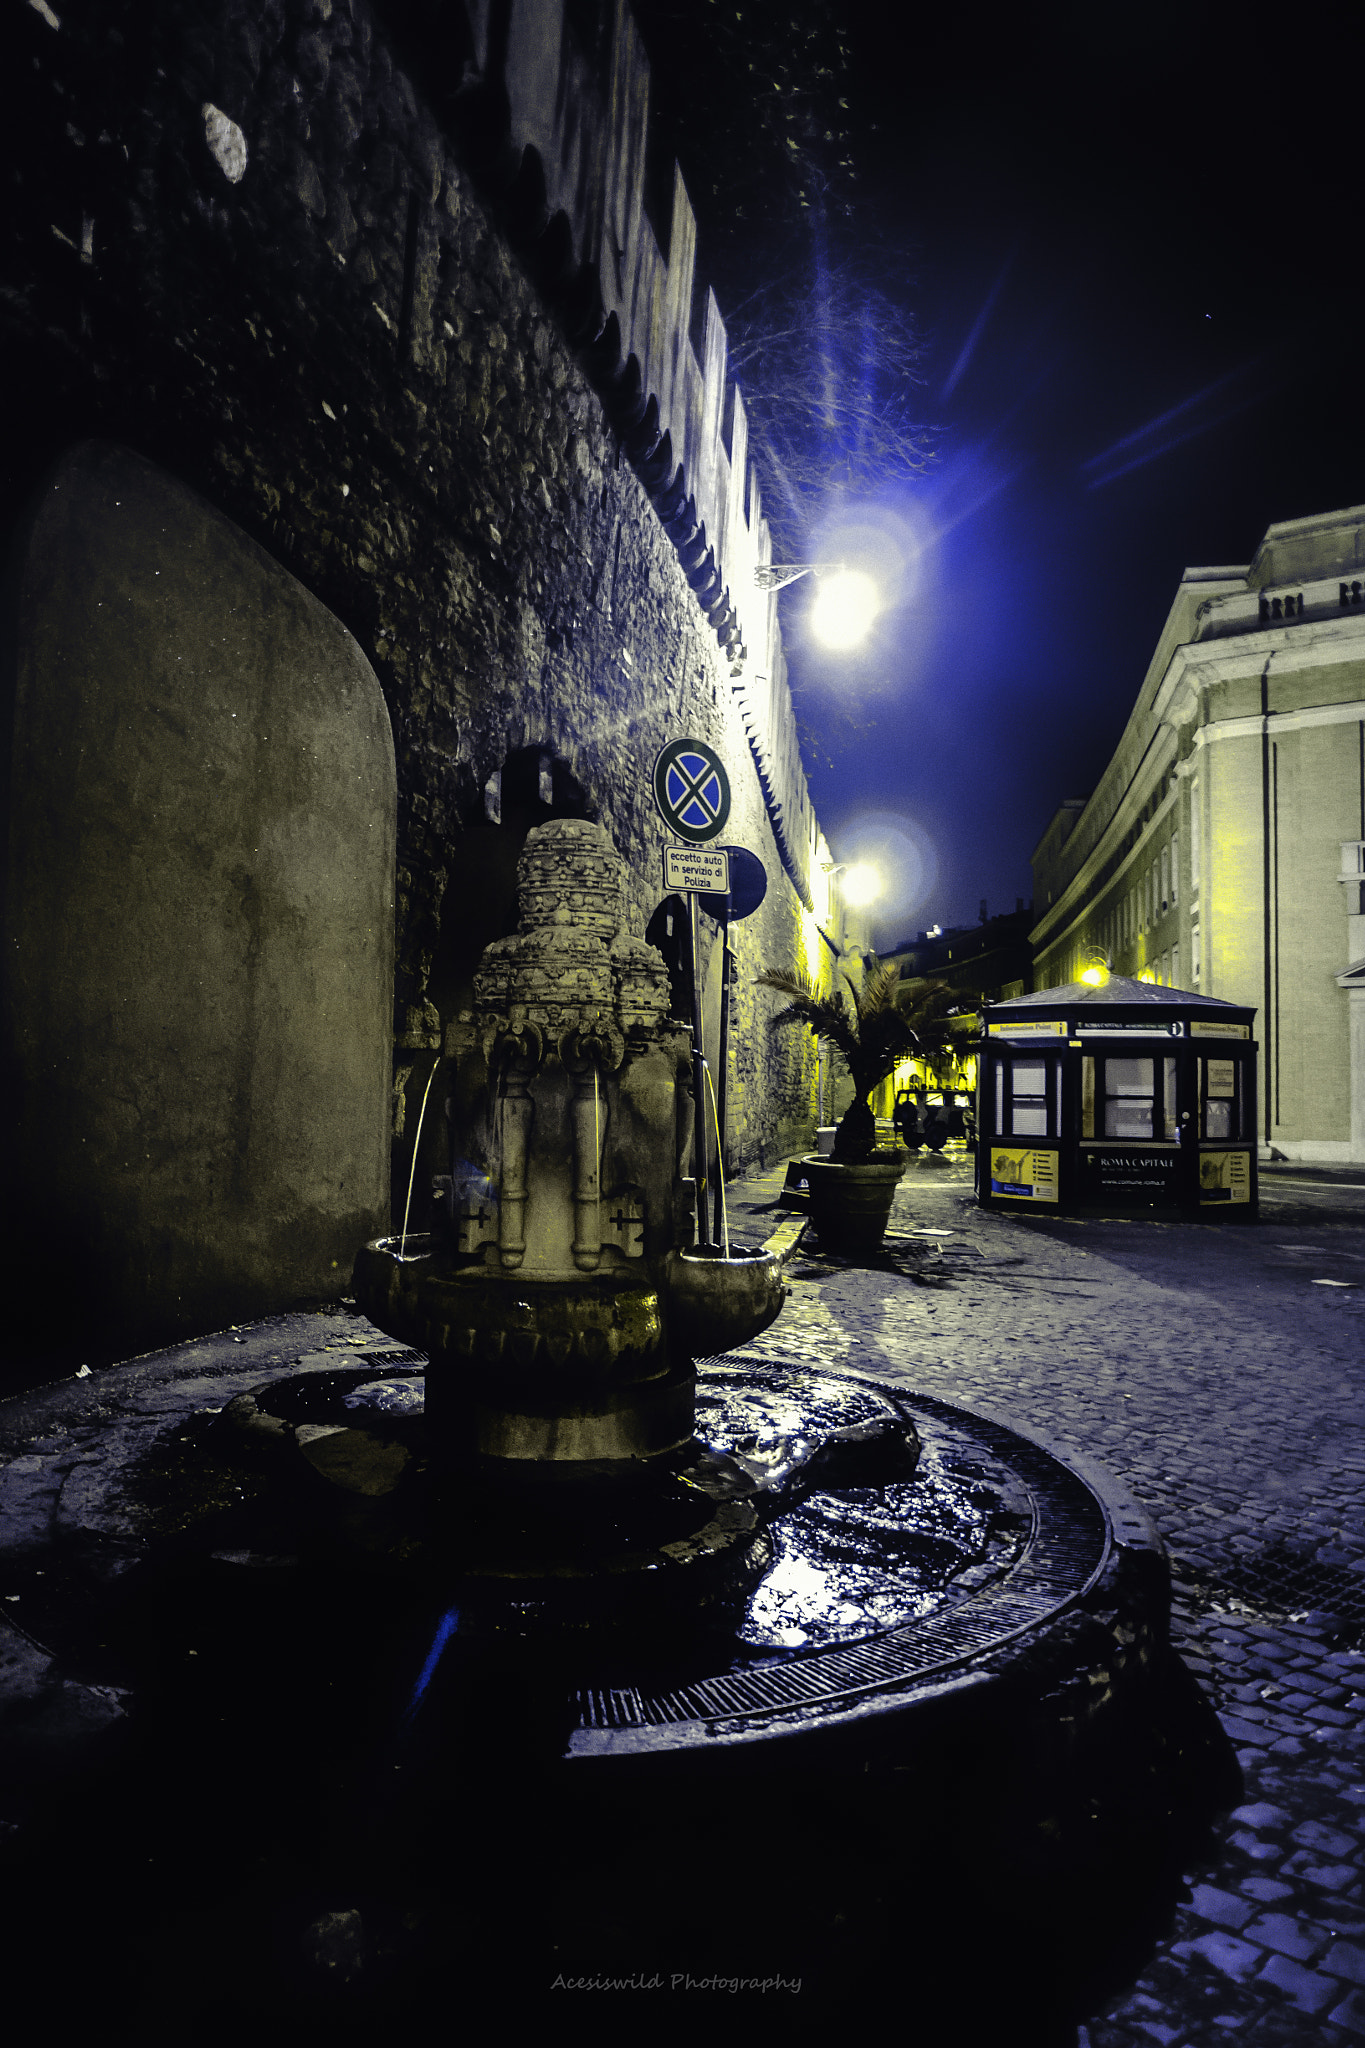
530	787
198	916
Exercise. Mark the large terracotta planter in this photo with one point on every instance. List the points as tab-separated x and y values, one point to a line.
850	1205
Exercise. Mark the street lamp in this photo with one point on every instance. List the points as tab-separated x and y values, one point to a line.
843	611
845	605
864	882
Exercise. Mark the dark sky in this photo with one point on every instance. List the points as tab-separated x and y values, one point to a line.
1137	261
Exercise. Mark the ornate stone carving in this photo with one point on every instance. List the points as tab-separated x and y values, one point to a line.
569	971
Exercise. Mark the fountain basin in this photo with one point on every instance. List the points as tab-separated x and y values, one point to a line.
719	1300
270	1642
828	1558
529	1370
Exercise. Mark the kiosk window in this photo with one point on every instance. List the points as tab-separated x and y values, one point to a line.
1128	1090
1220	1098
1029	1098
1021	1098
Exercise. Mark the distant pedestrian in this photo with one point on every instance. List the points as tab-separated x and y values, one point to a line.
905	1116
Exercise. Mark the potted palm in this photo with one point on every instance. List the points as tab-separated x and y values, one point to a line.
851	1192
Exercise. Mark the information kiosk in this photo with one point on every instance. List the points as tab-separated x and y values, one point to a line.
1121	1096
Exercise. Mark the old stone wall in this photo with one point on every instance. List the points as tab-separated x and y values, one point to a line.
271	247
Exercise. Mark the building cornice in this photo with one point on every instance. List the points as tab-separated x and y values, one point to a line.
1346	713
1156	759
1197	665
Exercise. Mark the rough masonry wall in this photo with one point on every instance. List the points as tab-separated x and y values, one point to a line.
244	248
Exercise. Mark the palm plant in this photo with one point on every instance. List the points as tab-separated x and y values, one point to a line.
871	1034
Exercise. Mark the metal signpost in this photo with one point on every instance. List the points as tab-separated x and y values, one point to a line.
692	792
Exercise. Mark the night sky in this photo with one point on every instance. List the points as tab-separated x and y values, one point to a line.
1136	254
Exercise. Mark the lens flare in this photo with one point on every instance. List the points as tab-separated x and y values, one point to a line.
844	608
901	854
861	884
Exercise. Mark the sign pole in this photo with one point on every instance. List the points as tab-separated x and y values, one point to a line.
692	793
699	1164
723	1063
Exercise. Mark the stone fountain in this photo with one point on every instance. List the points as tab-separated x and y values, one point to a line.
563	1307
820	1548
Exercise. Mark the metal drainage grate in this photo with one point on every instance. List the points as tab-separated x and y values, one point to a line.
1278	1585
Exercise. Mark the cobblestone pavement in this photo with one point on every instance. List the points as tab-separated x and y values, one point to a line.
1221	1372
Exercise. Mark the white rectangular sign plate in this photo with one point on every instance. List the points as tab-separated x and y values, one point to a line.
697	870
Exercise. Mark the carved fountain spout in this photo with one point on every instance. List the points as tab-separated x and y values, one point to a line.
564	1306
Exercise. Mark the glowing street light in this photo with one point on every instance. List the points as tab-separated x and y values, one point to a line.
845	605
844	609
861	884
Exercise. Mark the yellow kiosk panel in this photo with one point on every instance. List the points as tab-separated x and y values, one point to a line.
1224	1177
1029	1176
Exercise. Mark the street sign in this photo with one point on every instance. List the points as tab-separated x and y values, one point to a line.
697	870
692	790
748	887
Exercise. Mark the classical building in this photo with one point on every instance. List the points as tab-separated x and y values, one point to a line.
1223	850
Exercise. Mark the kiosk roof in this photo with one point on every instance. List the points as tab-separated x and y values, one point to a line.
1117	991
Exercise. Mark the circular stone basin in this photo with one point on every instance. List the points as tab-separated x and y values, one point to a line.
862	1550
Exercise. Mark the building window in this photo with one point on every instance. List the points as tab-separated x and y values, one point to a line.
1175	869
1175	967
1194	955
1027	1098
1138	1096
1165	896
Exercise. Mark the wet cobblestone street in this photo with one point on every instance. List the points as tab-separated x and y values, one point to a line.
1221	1374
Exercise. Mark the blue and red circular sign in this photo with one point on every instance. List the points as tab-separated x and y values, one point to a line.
692	790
